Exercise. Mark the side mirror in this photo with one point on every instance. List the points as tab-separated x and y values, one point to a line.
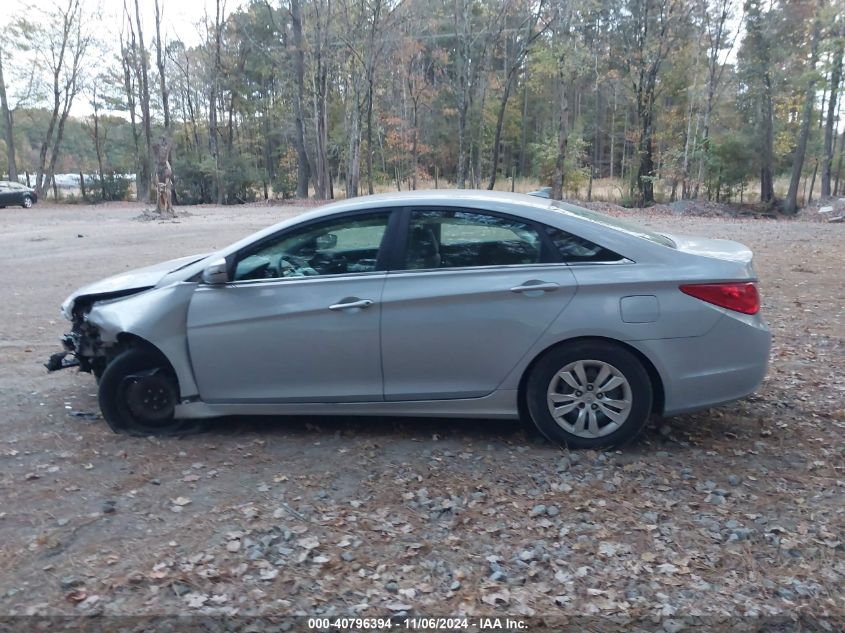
216	273
326	242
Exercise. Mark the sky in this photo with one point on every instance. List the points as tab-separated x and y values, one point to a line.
181	19
179	16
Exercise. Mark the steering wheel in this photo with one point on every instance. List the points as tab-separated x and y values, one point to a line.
289	264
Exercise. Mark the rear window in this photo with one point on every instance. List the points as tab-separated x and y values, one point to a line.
614	223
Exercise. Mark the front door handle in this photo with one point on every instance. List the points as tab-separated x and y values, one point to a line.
351	304
535	285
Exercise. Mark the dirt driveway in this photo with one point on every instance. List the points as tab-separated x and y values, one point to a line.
732	512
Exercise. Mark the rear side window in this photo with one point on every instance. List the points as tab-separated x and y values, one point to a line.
574	249
459	239
612	222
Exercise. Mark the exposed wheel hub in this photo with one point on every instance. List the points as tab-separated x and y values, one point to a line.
150	397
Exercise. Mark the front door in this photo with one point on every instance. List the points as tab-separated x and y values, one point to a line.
474	297
300	320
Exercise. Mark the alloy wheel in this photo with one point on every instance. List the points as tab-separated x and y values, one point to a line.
589	398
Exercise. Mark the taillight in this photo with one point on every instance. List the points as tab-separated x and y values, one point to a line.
740	297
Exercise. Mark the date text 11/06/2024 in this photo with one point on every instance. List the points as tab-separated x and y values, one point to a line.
417	624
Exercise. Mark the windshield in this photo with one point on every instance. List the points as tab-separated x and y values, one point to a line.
614	223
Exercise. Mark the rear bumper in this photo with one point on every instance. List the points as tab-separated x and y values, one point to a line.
726	364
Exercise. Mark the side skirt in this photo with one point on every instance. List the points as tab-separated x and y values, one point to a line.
500	405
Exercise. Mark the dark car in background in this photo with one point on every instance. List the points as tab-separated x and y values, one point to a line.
13	194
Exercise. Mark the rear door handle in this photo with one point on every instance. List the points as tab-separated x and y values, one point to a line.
532	286
360	303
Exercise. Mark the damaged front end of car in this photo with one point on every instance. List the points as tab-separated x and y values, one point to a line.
99	315
83	345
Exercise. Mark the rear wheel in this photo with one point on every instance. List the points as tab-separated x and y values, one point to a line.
27	202
138	393
589	394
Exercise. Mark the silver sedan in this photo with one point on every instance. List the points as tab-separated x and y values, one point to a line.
437	303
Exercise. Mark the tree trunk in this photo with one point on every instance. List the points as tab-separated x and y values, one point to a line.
414	141
523	138
767	160
213	124
829	131
688	140
6	115
129	89
836	190
162	75
562	133
303	170
98	148
791	202
164	177
168	134
42	183
145	177
370	189
613	133
645	173
321	86
500	120
353	133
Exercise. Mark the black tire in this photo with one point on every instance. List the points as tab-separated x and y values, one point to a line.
132	379
639	392
27	202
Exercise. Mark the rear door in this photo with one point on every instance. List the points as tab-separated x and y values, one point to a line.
475	292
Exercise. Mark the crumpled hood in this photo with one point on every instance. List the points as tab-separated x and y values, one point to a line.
125	283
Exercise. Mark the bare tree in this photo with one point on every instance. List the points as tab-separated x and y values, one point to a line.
473	41
6	115
790	204
648	40
562	31
60	43
829	128
716	14
296	52
214	93
320	93
164	171
98	135
524	36
128	51
141	65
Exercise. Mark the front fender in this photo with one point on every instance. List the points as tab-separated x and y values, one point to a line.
158	316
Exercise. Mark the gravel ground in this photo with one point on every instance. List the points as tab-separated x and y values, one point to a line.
728	515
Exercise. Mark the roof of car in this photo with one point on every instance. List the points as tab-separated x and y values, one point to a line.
440	197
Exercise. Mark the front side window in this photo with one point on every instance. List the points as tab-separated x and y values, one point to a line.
457	239
334	247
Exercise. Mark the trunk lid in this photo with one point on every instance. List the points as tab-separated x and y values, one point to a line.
719	249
